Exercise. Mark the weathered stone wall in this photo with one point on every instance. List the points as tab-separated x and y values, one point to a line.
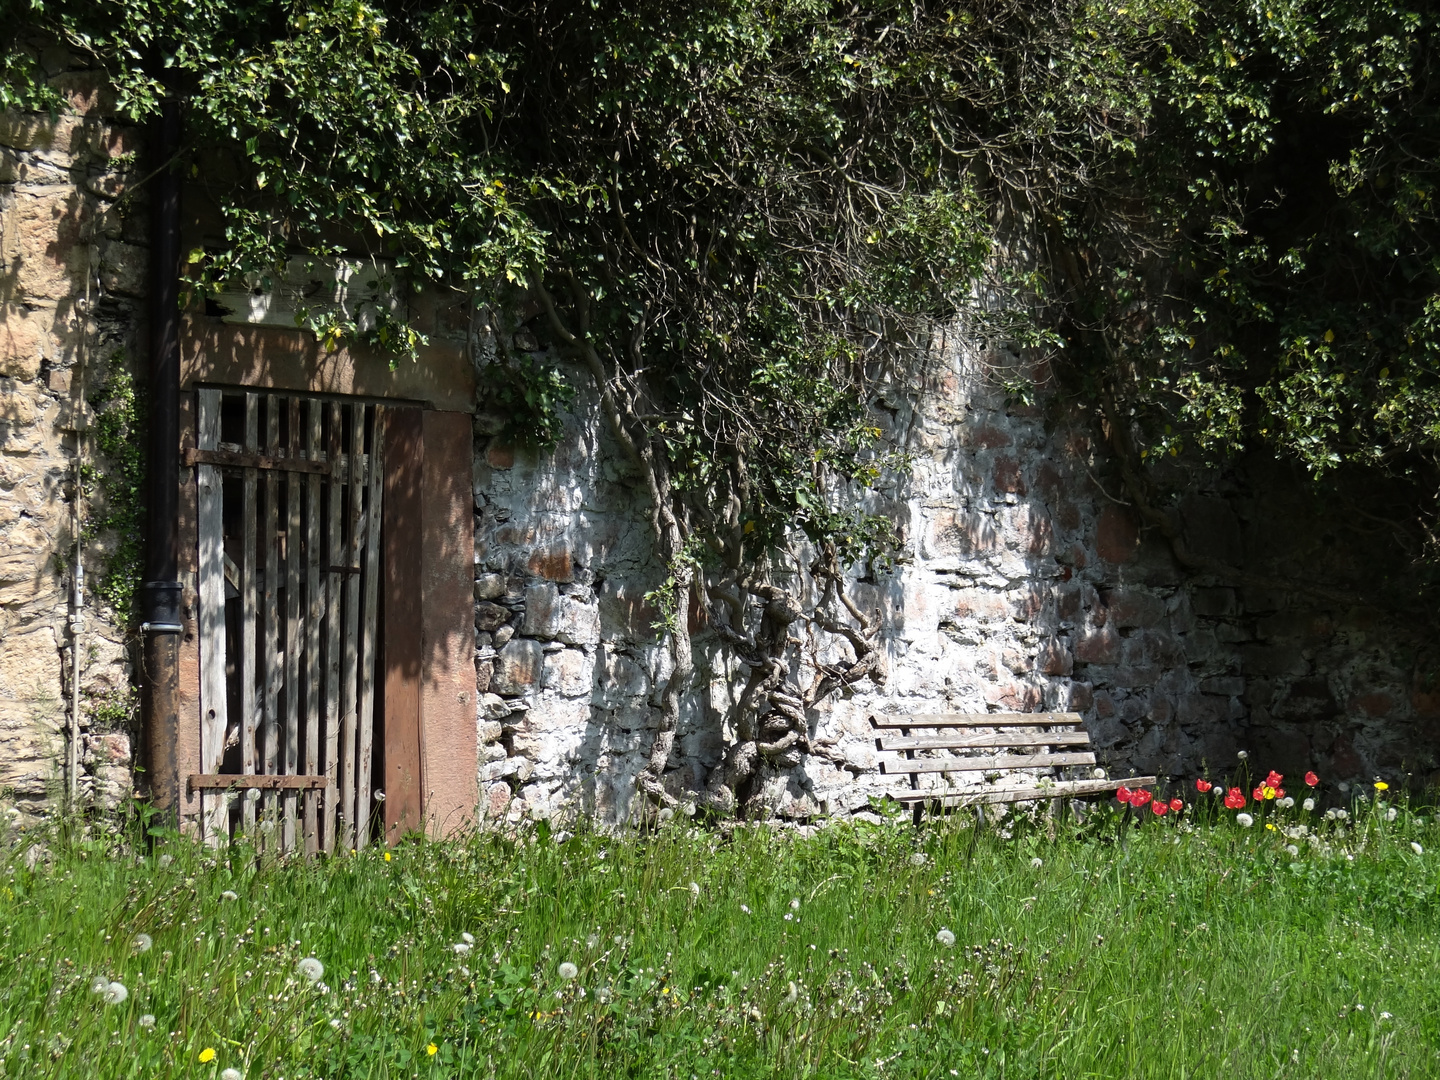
72	272
1029	586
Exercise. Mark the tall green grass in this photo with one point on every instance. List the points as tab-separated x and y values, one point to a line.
1172	949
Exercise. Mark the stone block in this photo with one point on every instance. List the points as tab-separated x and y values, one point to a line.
124	269
22	344
484	675
1213	603
579	622
1226	685
1131	607
1117	535
489	586
517	667
553	562
542	611
568	672
493	707
490	617
1100	645
1054	658
488	730
1007	477
1273	660
43	249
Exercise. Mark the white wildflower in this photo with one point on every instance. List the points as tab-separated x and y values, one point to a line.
1245	820
375	978
795	904
568	970
745	908
945	937
695	890
467	938
1386	1016
1308	805
1036	863
1416	848
311	969
142	943
147	1021
1242	755
229	894
231	1074
335	1023
115	993
917	859
461	949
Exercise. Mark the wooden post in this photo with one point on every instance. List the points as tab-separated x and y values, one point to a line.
214	808
367	639
294	628
336	580
316	597
249	707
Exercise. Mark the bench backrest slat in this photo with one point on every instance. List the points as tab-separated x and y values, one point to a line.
976	720
996	763
970	742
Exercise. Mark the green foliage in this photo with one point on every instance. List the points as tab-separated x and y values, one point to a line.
1219	219
530	396
1131	951
115	484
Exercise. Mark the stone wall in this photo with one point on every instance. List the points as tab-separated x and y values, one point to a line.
1029	586
72	273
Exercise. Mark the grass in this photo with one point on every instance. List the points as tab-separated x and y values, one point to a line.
1172	949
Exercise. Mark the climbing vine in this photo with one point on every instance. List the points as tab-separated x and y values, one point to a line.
113	486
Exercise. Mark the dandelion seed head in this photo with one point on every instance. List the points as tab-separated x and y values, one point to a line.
1244	820
1292	850
231	1074
1036	863
568	970
592	941
1416	848
229	894
99	984
311	969
1386	1016
795	903
115	994
1308	805
695	889
917	859
142	943
792	994
335	1023
1391	814
1243	755
945	937
460	948
745	908
467	938
602	995
1287	802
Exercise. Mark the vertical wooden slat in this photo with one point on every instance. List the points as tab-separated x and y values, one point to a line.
349	683
210	514
374	470
270	538
316	610
335	535
294	627
249	711
401	641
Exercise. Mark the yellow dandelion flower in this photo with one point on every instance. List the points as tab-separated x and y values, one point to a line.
1380	785
1270	825
207	1055
387	856
431	1049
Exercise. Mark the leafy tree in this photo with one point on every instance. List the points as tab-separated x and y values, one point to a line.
1217	221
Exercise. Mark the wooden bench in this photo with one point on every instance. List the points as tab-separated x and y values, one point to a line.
1028	741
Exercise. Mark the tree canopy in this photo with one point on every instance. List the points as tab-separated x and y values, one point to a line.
1217	221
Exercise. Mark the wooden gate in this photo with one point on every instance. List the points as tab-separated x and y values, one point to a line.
289	509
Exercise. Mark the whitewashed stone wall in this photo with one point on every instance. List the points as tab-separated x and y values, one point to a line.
1028	586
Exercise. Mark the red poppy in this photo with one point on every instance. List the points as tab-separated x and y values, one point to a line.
1234	800
1203	786
1311	779
1140	798
1258	794
1159	806
1123	794
1177	805
1274	779
1279	793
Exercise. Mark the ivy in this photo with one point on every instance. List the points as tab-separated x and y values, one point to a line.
114	485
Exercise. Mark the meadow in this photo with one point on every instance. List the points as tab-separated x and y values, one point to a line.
1121	944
